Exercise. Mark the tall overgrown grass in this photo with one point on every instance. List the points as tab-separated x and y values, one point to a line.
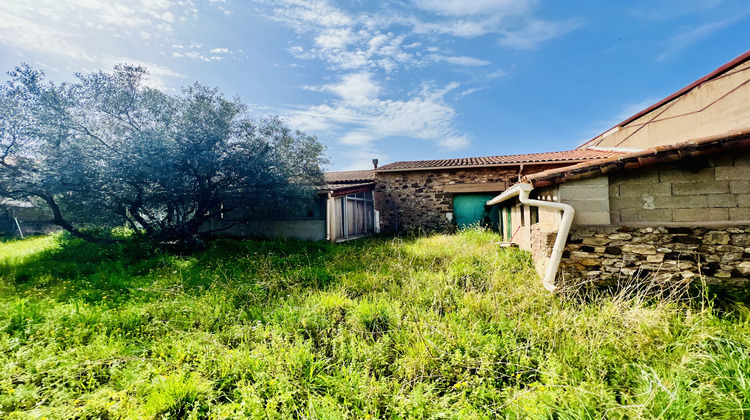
424	327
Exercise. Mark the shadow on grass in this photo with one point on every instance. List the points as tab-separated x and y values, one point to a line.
71	268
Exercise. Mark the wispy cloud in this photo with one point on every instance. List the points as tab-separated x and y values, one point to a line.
87	35
534	32
81	32
359	116
692	35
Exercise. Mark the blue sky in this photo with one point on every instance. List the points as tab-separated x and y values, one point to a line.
403	79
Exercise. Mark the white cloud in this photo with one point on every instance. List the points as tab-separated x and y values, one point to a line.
476	7
535	32
460	61
692	35
80	33
360	116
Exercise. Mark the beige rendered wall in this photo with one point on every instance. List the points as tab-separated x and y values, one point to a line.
715	107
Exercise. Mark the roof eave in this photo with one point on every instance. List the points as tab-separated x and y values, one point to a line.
494	165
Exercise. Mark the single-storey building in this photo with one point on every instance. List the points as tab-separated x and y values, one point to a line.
673	205
21	217
441	194
342	209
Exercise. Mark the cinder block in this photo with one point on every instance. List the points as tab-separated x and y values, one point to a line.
681	175
739	214
583	193
614	190
690	188
641	215
742	160
637	190
591	218
732	173
680	202
721	200
701	215
743	200
739	187
722	160
644	177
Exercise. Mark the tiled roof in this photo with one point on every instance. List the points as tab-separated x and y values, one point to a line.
732	140
349	176
533	158
347	186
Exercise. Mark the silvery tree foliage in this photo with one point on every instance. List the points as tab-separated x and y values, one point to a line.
107	150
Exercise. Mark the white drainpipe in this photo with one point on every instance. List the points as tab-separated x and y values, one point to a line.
522	192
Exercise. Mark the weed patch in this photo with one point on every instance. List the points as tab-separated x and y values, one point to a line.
440	326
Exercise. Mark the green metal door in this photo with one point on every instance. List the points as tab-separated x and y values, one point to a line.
469	210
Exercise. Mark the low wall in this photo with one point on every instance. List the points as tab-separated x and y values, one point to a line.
310	230
606	255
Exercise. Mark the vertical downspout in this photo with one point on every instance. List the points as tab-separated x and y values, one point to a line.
522	192
562	232
329	217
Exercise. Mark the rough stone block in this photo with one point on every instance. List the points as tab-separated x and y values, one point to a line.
620	236
740	173
744	268
582	255
702	215
692	188
596	241
731	256
716	238
640	249
649	238
741	239
655	258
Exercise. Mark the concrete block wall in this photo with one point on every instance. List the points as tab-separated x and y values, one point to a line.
713	190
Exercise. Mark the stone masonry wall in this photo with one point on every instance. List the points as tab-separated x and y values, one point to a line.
609	254
414	199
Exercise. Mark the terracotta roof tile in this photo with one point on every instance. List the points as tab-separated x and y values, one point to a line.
349	176
534	158
732	140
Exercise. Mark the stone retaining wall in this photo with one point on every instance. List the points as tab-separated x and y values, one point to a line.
608	254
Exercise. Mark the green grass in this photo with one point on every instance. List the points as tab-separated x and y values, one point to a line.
444	327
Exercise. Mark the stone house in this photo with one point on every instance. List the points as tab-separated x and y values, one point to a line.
441	194
675	204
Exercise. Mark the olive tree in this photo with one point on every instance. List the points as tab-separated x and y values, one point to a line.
107	150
